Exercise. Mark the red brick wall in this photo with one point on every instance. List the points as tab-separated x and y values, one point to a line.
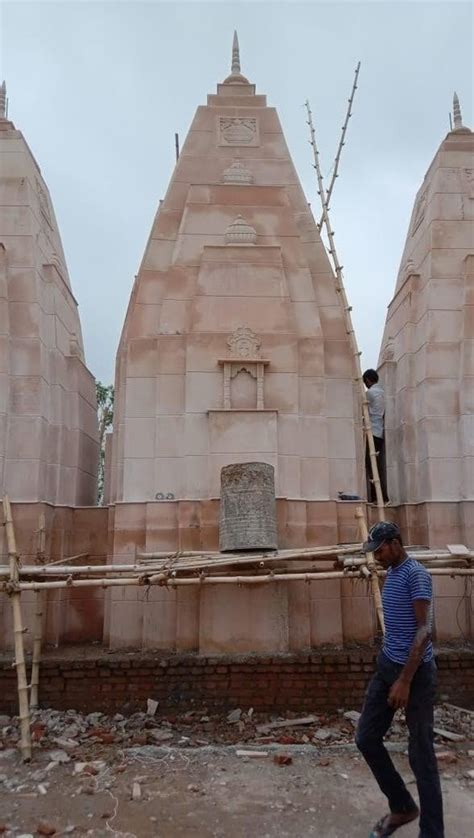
122	682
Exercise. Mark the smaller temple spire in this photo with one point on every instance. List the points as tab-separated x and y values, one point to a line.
3	101
235	67
457	113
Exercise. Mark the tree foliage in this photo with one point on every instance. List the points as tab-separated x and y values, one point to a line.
105	415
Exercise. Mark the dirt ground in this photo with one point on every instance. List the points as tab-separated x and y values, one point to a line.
201	775
210	791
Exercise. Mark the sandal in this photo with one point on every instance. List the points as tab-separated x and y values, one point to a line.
384	827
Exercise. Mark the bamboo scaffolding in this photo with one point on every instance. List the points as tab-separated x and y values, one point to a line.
38	621
15	598
202	579
346	308
429	561
320	554
248	556
67	559
347	555
341	145
372	568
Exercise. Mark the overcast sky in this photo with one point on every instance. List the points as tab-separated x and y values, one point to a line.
99	89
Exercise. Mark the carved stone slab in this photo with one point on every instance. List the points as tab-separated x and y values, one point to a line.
237	131
247	508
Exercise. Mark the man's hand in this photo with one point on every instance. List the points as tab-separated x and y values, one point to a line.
399	694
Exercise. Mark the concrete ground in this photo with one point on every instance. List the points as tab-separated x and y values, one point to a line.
210	791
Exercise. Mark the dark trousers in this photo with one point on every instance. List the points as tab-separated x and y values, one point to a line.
379	443
373	724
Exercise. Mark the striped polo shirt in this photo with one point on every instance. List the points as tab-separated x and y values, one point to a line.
403	584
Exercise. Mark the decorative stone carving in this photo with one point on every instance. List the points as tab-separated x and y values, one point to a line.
248	508
240	232
235	131
43	202
388	353
245	349
409	269
419	213
244	342
237	173
74	346
468	182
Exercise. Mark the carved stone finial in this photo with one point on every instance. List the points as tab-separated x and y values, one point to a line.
237	173
235	75
3	101
235	67
457	113
244	343
240	232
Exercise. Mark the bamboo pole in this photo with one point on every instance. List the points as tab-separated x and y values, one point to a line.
15	597
38	621
346	309
254	556
68	559
173	581
326	554
341	144
374	580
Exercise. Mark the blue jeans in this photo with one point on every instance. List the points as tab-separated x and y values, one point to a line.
373	724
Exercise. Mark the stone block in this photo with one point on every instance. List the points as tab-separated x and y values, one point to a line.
314	478
224	630
281	391
326	620
242	431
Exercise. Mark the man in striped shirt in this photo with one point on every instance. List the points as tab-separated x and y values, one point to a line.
405	678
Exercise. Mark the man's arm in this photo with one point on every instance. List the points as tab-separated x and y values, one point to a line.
400	691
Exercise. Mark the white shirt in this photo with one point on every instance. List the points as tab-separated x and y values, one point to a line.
376	399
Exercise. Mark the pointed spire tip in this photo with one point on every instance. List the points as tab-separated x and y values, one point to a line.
457	112
3	100
235	66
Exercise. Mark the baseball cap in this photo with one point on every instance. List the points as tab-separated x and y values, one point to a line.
379	533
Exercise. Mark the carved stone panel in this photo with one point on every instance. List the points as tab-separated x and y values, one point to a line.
237	131
247	508
43	202
419	212
467	176
244	343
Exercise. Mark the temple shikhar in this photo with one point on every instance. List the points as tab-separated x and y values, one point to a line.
234	349
427	353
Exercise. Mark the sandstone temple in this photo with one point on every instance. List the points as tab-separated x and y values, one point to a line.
234	349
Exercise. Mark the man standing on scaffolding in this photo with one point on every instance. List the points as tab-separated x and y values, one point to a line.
376	403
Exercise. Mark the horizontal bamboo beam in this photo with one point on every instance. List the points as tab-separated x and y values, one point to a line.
165	581
333	549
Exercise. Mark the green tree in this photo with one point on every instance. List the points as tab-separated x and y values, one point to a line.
105	415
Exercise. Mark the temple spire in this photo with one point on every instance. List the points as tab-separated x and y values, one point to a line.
235	67
457	113
3	101
236	76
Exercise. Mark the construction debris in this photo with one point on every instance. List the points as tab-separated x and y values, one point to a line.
282	759
151	706
305	720
448	734
136	791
